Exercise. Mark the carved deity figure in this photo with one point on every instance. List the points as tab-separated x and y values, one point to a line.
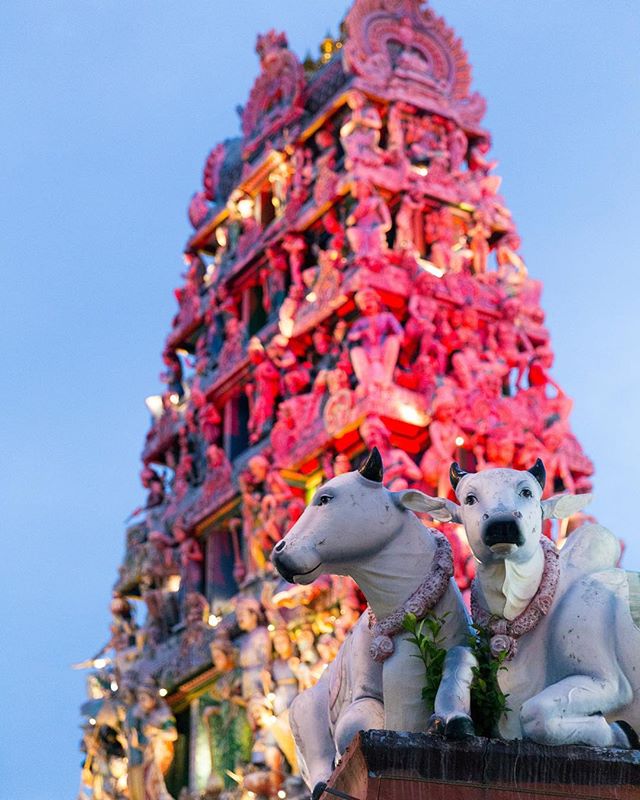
360	134
151	730
262	391
368	224
224	717
443	432
254	645
375	342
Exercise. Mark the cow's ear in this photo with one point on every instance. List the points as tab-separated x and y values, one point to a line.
561	506
436	507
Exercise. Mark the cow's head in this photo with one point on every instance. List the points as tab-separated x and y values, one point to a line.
501	509
350	518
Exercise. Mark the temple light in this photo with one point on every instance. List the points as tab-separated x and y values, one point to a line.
92	721
214	620
174	398
100	663
410	414
282	794
245	207
163	692
421	170
271	627
311	297
154	404
459	441
114	686
221	237
427	266
173	583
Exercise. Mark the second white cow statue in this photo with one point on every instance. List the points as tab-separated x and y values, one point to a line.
567	621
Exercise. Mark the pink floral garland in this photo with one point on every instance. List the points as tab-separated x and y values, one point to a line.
505	633
425	597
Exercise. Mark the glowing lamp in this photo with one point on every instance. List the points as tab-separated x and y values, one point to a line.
282	794
214	620
245	207
173	583
92	721
114	686
427	266
154	404
100	663
459	441
221	237
163	692
410	414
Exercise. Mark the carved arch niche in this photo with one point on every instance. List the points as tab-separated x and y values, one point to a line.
401	50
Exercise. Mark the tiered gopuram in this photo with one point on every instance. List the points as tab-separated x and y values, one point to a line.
353	279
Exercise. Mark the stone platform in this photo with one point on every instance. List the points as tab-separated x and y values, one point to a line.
385	765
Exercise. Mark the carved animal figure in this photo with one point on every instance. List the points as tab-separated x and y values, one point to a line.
568	621
355	526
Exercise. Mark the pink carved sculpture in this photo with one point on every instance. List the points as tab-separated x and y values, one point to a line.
368	224
375	342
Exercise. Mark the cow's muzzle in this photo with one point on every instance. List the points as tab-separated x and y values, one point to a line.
502	530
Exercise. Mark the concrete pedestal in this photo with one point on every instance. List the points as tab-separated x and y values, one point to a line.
385	765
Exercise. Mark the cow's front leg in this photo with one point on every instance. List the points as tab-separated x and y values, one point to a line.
452	712
572	712
403	677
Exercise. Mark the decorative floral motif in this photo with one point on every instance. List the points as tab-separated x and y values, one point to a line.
505	633
423	600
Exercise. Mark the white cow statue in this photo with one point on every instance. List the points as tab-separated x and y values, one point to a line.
355	526
567	620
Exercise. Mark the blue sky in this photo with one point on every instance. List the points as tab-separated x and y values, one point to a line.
108	110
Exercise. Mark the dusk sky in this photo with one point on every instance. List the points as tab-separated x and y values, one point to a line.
108	110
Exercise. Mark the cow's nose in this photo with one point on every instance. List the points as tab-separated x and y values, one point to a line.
485	517
280	546
517	514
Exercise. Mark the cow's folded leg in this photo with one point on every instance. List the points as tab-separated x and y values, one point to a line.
453	700
572	712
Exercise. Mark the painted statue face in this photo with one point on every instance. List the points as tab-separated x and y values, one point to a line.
282	644
221	660
146	701
246	618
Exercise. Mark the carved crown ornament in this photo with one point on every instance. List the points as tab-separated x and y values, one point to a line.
277	97
401	50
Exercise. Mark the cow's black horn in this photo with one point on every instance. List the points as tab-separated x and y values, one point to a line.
539	472
372	468
455	473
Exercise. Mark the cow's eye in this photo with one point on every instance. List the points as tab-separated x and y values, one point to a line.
324	499
470	500
526	492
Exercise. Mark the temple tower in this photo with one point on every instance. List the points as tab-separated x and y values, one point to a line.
353	279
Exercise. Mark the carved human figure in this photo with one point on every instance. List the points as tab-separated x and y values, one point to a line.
479	235
296	247
360	134
172	376
410	221
262	391
232	350
368	224
254	646
281	680
151	731
273	277
190	558
443	432
375	342
224	716
325	167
